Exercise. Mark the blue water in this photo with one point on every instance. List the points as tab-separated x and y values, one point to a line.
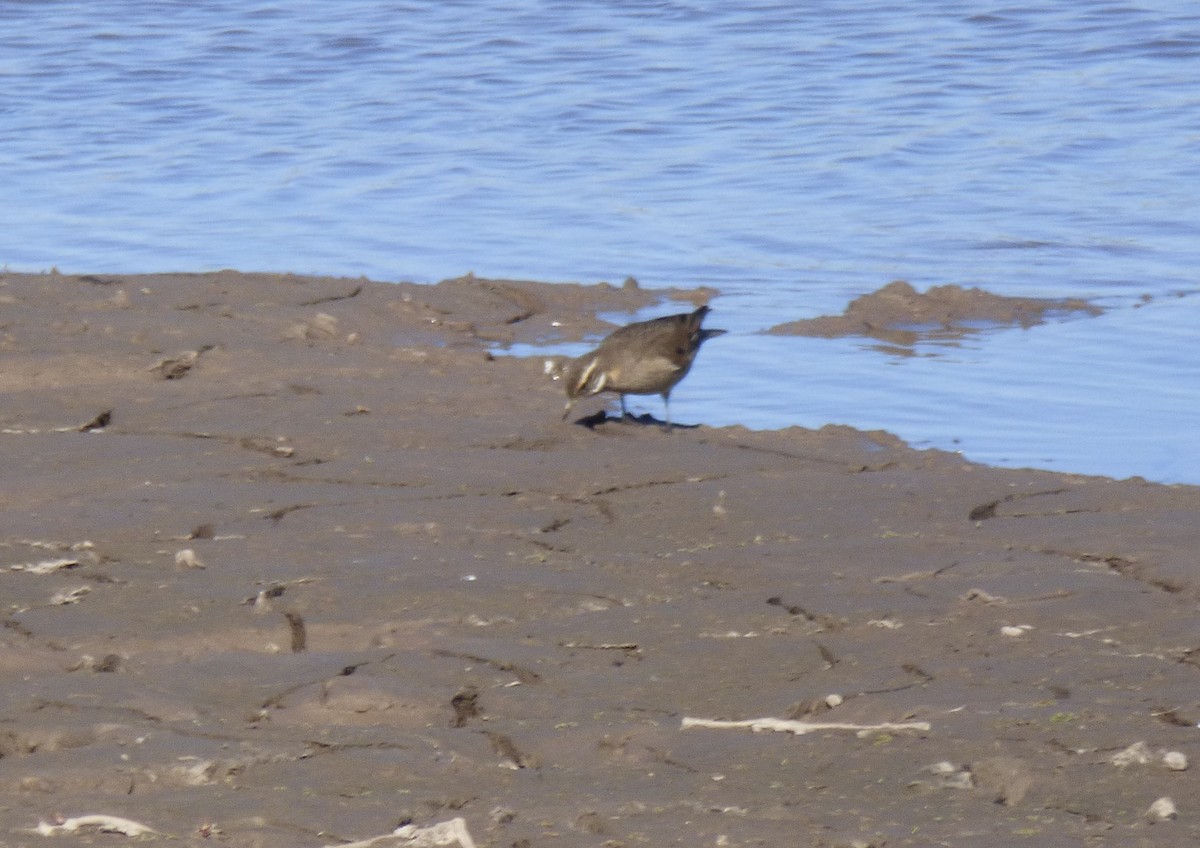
793	156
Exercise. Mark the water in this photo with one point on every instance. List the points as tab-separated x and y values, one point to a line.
791	156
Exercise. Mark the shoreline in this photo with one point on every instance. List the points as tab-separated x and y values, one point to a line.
307	539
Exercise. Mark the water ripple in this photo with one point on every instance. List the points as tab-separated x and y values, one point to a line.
794	157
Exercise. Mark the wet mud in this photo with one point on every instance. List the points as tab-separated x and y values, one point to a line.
299	562
899	315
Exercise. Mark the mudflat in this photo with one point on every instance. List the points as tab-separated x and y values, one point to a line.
292	561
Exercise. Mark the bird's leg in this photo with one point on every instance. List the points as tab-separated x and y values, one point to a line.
624	414
667	407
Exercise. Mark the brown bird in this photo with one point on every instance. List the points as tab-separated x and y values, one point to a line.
645	358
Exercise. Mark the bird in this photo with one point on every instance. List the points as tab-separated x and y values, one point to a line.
643	358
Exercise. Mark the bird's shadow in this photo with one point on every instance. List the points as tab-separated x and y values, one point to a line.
594	420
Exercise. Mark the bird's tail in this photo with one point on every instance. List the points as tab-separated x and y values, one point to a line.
696	331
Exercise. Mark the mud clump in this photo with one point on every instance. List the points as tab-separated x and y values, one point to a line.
899	314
